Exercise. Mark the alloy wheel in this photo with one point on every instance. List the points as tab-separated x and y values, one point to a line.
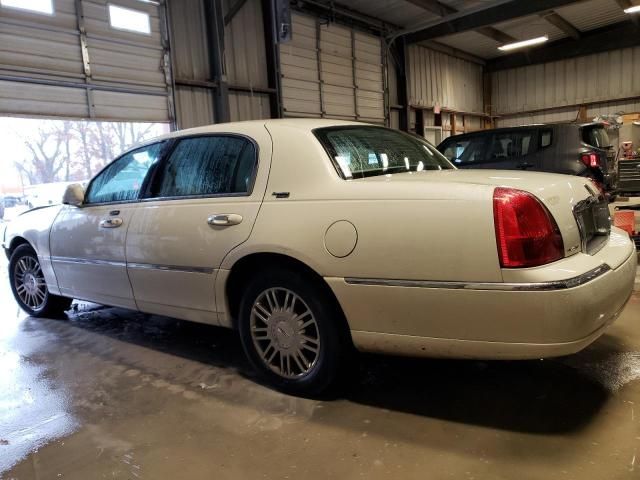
285	333
29	282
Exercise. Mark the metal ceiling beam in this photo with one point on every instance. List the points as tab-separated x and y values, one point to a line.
561	23
233	10
442	10
483	17
613	37
497	35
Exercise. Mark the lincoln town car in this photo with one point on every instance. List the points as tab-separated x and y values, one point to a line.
315	239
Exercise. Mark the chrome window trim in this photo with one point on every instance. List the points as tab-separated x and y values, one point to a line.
532	286
146	266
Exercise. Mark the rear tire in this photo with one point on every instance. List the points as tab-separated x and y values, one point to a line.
292	333
29	287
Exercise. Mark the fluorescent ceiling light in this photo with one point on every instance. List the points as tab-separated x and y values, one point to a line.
634	9
523	43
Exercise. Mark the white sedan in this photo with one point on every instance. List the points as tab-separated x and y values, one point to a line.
311	237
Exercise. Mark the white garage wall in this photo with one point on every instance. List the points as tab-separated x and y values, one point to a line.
560	87
436	78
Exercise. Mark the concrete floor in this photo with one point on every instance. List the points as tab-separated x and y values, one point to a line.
115	394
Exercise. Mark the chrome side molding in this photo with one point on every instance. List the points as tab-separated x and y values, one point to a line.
537	286
146	266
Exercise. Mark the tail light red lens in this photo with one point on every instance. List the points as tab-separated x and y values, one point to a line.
526	233
590	160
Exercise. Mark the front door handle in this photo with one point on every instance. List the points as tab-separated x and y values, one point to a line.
111	223
224	219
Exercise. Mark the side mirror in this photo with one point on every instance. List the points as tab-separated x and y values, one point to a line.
73	195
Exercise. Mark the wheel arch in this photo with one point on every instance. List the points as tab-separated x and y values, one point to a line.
243	269
15	243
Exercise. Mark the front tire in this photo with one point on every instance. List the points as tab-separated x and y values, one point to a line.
29	287
292	333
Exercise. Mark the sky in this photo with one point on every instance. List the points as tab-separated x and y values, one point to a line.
12	130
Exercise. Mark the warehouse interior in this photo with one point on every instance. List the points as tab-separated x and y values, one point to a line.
116	393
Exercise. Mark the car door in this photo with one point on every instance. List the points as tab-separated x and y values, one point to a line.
88	242
203	202
512	150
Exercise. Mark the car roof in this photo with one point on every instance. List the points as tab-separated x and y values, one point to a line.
526	127
300	123
305	124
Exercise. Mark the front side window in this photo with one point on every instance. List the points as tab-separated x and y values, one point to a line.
361	151
122	180
467	150
209	165
510	145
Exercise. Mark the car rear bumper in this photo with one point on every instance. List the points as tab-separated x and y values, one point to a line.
537	319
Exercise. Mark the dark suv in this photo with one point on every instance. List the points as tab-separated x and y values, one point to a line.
571	148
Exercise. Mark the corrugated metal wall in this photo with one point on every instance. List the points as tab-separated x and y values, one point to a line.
190	54
559	87
245	62
42	71
436	78
332	71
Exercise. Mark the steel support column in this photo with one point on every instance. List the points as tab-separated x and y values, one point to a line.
400	55
214	21
271	40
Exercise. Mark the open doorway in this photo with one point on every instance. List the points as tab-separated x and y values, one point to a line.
40	157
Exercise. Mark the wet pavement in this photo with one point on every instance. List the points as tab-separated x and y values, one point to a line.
115	394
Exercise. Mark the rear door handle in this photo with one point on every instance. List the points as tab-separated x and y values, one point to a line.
111	223
224	219
525	165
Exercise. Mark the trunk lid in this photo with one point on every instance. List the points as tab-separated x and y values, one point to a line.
581	212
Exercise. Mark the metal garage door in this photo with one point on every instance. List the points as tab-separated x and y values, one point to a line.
332	71
74	63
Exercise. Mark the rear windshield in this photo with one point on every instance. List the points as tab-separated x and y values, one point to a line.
596	136
362	151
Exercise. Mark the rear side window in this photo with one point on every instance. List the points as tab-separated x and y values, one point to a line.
368	151
465	150
209	165
512	144
545	138
596	136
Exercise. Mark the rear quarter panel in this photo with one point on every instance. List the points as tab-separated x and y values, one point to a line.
406	231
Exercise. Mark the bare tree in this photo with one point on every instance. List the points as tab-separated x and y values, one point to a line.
46	157
76	150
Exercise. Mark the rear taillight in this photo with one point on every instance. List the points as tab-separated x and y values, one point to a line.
590	159
526	233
